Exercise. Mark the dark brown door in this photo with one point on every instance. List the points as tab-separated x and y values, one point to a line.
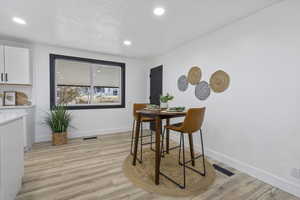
156	87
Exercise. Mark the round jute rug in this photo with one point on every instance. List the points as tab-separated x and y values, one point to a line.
142	175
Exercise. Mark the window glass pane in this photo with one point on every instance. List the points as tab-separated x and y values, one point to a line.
72	95
106	95
106	84
73	82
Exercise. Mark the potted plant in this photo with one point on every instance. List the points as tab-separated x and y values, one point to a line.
164	100
58	120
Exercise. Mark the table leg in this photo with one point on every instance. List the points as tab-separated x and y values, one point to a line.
192	149
136	139
168	137
157	148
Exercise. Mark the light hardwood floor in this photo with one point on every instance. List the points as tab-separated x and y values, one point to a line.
92	170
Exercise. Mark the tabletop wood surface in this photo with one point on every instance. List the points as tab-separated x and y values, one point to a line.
160	112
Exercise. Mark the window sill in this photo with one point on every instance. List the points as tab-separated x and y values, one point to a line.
94	107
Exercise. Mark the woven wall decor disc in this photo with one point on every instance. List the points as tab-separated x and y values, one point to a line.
219	81
194	75
182	83
202	90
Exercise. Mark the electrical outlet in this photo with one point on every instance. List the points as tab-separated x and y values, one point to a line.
295	173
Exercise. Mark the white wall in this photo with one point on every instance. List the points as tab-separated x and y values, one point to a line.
88	122
254	125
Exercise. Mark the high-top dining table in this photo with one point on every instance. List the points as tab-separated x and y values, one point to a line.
158	115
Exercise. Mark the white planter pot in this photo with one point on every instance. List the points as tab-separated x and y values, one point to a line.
164	105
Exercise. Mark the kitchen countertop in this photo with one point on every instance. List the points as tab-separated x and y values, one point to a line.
8	117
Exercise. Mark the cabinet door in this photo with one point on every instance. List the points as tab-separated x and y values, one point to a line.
12	157
1	64
17	70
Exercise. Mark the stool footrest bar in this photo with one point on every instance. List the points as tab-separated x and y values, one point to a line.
194	159
167	177
148	143
198	172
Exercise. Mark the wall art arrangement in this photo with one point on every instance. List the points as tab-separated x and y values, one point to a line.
194	75
218	82
183	83
202	90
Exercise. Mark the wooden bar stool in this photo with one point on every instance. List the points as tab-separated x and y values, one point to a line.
192	123
140	106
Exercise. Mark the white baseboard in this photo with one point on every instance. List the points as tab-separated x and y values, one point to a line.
260	174
267	177
47	137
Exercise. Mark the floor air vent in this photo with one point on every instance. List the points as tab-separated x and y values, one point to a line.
90	138
223	170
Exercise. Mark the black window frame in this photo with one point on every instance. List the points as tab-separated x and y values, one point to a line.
53	57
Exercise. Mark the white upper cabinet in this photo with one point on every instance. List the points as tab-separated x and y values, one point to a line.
1	64
16	65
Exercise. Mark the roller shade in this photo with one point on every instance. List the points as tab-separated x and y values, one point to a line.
72	73
76	73
107	76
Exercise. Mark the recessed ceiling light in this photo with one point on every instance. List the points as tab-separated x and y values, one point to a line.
127	42
159	11
19	20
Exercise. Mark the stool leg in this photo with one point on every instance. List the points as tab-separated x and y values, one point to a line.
184	163
132	137
168	137
203	159
179	150
141	159
162	143
183	157
182	186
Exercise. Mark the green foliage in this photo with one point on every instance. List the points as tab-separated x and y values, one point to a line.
177	109
58	119
165	99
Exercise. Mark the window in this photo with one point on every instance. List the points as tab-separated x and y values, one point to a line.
81	83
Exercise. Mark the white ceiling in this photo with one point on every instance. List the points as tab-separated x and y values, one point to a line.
102	25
